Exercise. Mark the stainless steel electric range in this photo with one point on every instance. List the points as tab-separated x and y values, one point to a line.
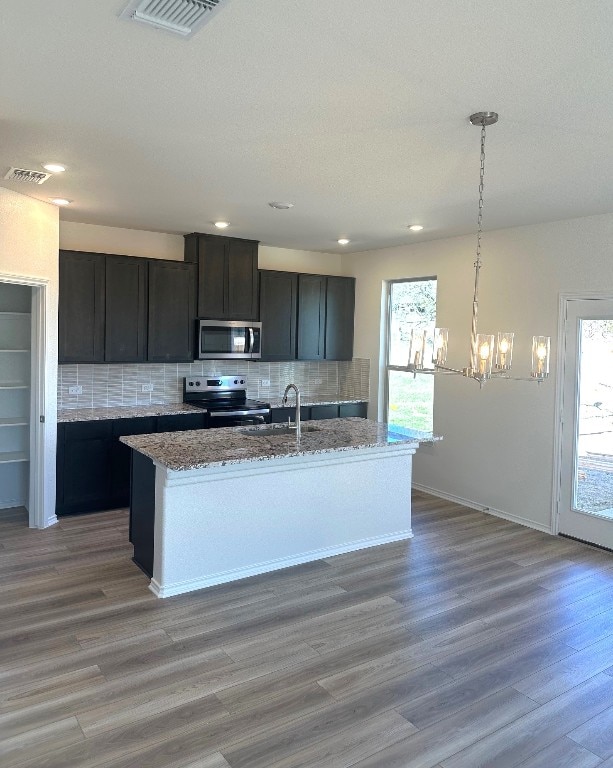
225	400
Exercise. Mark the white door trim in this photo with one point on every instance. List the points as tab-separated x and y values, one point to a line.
564	300
37	396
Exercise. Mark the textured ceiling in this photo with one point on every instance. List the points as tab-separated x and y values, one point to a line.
356	112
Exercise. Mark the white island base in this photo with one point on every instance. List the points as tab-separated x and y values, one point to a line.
222	523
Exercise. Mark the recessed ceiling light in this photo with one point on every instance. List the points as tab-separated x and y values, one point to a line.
416	227
343	241
222	224
60	201
54	167
281	206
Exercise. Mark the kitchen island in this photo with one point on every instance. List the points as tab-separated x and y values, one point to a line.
209	507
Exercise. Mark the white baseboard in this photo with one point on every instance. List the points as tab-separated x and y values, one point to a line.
50	521
490	511
179	588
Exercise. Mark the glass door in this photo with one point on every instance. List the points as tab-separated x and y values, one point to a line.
586	472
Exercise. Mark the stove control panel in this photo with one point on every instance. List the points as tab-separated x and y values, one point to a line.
214	383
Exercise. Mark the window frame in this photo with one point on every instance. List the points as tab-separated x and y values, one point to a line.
387	366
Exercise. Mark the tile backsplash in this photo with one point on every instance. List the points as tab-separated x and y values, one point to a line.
115	385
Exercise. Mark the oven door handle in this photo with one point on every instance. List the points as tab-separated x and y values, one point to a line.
219	414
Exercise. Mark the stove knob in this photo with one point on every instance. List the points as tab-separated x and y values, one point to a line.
236	381
191	384
197	383
242	381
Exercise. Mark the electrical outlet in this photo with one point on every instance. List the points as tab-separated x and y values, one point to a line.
76	390
146	387
264	382
317	381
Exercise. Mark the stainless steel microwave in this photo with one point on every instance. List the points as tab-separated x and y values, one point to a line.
228	340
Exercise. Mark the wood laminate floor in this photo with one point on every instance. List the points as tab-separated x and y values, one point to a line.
478	643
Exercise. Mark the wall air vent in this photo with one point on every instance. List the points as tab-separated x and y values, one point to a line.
29	177
182	17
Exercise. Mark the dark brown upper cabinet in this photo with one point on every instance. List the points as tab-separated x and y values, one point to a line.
227	276
311	317
81	307
126	309
172	310
278	314
306	317
340	309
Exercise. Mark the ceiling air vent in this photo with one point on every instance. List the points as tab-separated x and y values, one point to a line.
29	177
183	17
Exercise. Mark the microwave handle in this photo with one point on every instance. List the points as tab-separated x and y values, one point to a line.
251	340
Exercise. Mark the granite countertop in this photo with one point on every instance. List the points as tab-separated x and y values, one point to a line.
65	415
198	449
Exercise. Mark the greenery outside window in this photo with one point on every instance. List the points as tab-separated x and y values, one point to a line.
411	310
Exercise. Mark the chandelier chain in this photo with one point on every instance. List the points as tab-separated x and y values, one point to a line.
480	214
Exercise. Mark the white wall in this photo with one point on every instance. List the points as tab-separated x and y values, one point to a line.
28	248
128	242
290	260
497	450
159	245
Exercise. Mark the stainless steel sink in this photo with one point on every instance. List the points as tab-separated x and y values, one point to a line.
279	431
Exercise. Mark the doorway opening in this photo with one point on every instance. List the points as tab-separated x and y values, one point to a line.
22	396
584	501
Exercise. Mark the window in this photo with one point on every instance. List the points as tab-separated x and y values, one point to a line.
411	311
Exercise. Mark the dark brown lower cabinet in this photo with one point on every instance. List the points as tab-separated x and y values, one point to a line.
120	457
84	464
326	411
142	511
93	466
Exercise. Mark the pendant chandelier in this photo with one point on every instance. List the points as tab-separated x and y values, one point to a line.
490	357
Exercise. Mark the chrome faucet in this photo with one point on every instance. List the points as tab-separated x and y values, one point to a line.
297	391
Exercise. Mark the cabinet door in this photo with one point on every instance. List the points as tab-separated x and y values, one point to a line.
340	304
171	311
212	277
86	476
126	310
278	314
81	308
120	456
311	316
242	276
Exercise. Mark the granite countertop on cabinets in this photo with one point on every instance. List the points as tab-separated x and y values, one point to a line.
198	449
66	415
278	403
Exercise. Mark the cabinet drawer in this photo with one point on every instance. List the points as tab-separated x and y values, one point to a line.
87	430
324	411
281	415
353	409
180	422
138	426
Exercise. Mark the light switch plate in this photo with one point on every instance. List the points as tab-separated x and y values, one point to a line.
264	382
75	390
147	388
